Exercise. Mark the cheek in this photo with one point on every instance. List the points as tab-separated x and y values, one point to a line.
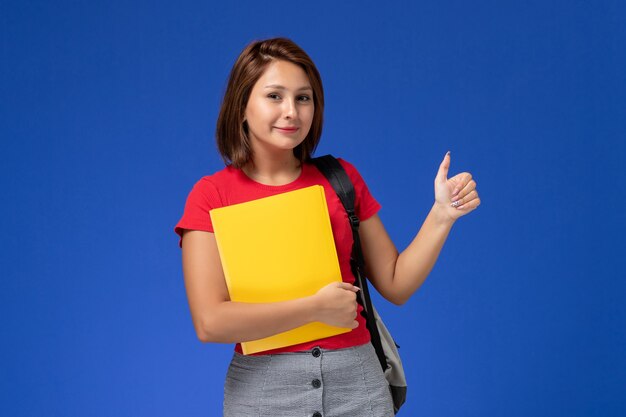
306	119
308	115
257	112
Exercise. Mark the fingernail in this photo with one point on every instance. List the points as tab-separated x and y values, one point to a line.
455	203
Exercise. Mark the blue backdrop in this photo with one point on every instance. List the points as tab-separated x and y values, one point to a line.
107	115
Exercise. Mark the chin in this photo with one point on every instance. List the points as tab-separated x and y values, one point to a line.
278	142
288	144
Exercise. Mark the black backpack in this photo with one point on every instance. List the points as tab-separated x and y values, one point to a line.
385	346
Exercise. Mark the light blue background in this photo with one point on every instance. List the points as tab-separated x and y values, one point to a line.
107	115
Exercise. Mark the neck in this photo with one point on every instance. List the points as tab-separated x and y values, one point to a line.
274	169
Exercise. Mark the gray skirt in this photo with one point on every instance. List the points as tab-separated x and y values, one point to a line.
320	383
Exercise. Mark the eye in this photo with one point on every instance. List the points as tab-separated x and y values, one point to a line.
304	98
273	96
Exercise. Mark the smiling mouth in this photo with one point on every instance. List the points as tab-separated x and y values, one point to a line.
289	130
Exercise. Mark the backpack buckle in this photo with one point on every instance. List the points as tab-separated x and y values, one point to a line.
354	220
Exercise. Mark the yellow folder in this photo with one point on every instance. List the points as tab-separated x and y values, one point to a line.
278	248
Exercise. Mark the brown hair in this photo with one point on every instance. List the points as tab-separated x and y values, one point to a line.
231	132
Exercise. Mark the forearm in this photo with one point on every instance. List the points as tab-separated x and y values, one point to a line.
415	263
233	322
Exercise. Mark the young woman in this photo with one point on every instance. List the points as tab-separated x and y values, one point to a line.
269	125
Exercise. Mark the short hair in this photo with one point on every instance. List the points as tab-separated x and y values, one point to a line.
231	132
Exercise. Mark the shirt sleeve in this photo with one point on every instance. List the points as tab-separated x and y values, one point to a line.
365	205
202	198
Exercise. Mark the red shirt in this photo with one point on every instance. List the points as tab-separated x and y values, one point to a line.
232	186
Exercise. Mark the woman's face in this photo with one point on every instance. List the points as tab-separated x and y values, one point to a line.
280	108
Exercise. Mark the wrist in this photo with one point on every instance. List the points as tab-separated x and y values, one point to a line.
441	215
311	308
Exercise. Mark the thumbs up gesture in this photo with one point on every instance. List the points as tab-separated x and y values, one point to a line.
456	196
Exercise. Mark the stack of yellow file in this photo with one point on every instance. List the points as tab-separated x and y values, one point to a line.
278	248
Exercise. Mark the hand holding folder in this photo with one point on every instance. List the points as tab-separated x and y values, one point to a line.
275	249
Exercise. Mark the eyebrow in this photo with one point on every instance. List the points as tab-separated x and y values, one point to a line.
280	87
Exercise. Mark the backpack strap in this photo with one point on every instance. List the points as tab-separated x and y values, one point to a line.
341	183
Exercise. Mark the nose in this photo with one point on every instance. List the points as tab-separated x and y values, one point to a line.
290	111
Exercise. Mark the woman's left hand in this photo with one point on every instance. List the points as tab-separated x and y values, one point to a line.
455	196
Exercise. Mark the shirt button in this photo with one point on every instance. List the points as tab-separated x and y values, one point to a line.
317	414
316	383
316	353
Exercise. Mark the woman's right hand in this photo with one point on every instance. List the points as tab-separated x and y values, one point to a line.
337	305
